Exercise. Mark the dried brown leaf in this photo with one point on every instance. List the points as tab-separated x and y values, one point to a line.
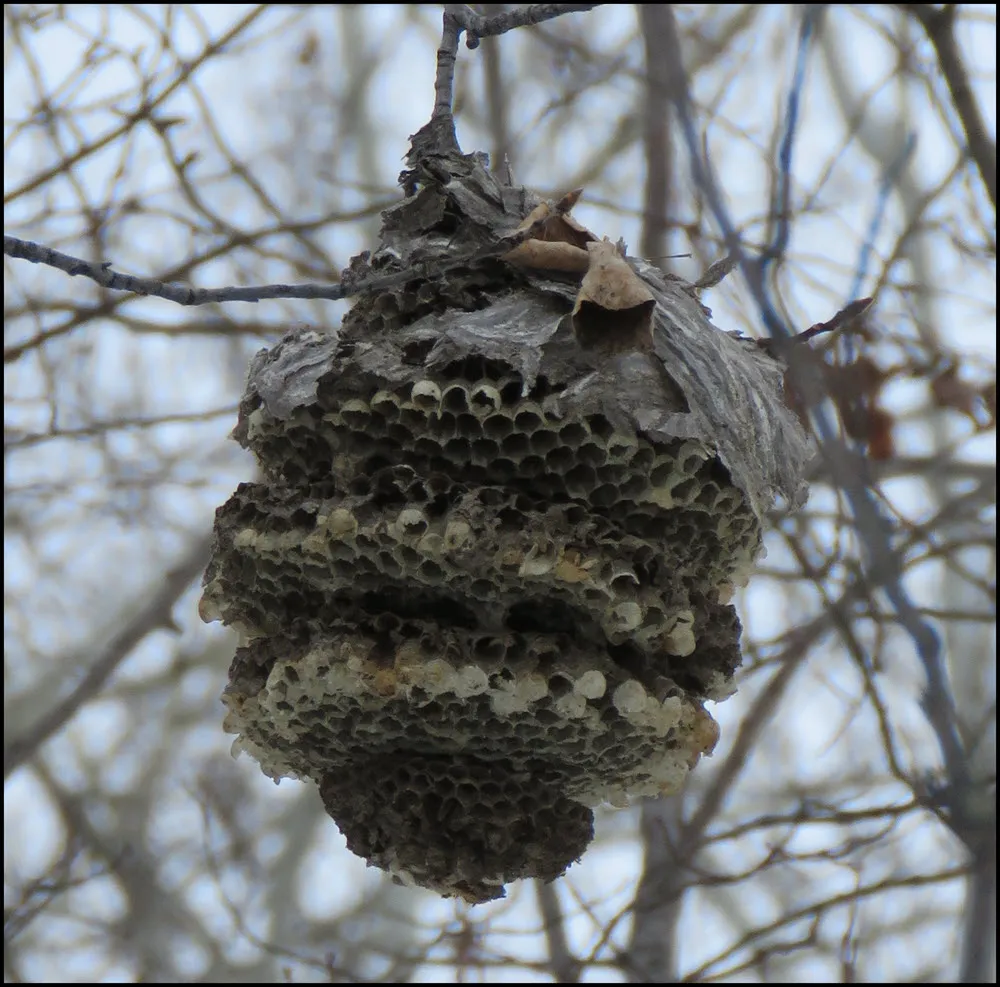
569	200
568	230
538	213
546	256
557	225
614	308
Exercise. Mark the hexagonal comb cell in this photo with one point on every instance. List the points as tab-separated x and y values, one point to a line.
482	585
461	827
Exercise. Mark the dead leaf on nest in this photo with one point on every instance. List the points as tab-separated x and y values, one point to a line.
560	242
614	308
545	256
569	200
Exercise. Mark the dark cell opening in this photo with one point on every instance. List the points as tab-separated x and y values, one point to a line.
423	606
543	615
415	353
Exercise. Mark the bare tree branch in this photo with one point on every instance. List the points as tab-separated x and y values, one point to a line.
565	965
938	23
145	111
155	614
186	295
656	126
652	952
477	26
496	100
181	294
847	468
438	136
978	959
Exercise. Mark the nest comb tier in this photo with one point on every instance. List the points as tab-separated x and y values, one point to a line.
483	582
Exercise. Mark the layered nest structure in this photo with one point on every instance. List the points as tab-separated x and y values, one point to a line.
483	583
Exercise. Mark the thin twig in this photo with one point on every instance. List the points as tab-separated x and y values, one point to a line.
781	205
875	531
186	70
656	125
476	26
439	134
14	439
565	966
155	614
182	294
844	318
939	26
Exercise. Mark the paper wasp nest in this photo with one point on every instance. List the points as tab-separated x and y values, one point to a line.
483	585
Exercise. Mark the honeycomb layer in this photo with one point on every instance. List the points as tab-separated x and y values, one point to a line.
474	603
602	731
495	437
455	824
495	553
488	750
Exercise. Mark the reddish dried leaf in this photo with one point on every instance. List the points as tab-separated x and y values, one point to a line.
950	391
865	377
557	229
569	200
880	442
794	399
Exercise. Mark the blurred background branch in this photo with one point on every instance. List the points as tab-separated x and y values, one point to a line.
845	829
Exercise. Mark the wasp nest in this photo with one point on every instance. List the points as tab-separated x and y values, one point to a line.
483	585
